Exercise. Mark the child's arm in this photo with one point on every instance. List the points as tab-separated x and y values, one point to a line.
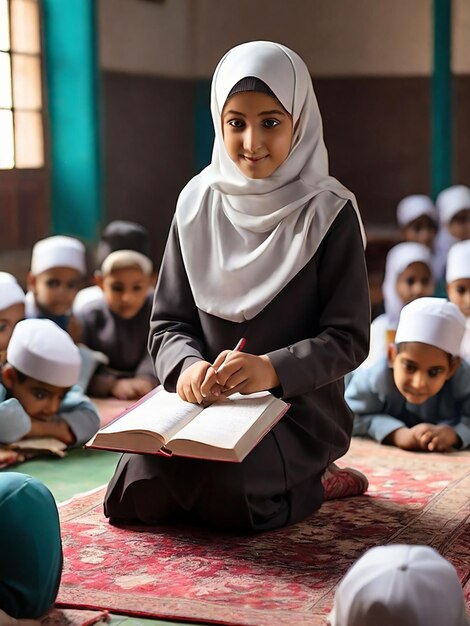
80	416
15	423
367	403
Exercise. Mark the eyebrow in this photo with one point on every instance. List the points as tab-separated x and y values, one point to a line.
272	112
431	367
42	390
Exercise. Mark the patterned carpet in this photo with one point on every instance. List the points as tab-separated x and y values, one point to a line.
279	578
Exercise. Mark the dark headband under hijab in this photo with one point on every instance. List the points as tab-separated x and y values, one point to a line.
251	83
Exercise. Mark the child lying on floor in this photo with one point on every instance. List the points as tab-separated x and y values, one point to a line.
418	399
37	397
400	585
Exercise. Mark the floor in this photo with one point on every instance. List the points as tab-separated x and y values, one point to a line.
81	470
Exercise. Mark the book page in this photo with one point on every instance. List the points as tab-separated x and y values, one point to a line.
224	422
163	413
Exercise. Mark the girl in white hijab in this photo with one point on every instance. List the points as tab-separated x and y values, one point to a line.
408	275
264	245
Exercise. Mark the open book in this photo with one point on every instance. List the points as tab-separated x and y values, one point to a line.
163	423
39	445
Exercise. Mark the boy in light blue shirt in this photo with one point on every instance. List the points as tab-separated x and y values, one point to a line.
37	395
418	398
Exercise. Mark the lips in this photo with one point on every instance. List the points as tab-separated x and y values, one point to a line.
254	159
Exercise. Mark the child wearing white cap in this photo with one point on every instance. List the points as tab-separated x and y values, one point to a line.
58	266
38	397
419	398
11	309
408	275
453	206
118	326
400	585
417	219
458	286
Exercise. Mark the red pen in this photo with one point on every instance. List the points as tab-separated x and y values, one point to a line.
240	345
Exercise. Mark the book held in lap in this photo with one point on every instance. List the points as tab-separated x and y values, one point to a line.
163	423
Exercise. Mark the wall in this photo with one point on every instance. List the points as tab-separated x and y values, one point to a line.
370	60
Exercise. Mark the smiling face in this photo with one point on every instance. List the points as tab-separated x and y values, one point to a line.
459	293
55	289
257	133
40	400
125	290
414	282
420	370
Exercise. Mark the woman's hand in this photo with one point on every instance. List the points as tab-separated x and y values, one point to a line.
198	383
244	373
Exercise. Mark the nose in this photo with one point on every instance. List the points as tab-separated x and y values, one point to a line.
419	289
52	406
419	381
252	139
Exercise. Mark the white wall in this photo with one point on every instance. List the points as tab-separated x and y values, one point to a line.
461	37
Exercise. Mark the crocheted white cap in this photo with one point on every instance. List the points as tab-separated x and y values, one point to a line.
400	584
58	251
433	321
42	350
458	261
10	292
451	201
412	207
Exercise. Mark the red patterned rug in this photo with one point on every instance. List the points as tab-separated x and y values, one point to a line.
278	578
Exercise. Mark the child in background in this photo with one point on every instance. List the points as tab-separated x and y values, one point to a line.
408	275
30	549
417	219
458	286
420	398
58	266
118	326
264	245
12	299
453	205
118	235
400	585
37	398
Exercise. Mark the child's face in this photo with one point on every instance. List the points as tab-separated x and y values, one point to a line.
40	400
459	293
55	289
9	317
257	133
414	282
422	230
420	370
125	290
459	225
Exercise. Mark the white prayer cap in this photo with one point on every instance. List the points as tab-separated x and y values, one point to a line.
400	585
434	321
10	292
42	350
451	201
58	251
412	207
458	261
124	259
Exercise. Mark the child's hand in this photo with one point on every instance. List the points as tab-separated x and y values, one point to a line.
244	373
438	438
131	388
403	438
198	383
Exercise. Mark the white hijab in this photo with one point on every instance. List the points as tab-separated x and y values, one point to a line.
244	239
398	259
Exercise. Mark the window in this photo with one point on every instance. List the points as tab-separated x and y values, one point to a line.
21	117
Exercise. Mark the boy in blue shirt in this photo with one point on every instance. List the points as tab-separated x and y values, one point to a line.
37	394
418	399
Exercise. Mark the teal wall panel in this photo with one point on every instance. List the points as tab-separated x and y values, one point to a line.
73	104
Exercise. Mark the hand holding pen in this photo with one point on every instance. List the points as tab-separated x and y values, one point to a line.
242	372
